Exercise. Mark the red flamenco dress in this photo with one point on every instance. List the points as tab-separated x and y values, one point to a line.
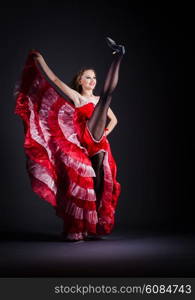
58	147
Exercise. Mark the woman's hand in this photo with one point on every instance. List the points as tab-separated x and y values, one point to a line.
35	53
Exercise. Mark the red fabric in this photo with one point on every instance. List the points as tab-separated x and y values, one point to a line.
58	147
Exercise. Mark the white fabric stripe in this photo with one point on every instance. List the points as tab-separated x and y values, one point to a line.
34	131
90	216
80	213
33	128
41	174
107	193
82	193
47	101
108	178
66	123
81	168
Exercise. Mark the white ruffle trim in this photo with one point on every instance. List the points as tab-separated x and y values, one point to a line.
34	132
82	193
80	213
81	168
41	173
66	123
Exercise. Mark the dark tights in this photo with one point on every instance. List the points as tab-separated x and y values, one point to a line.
97	122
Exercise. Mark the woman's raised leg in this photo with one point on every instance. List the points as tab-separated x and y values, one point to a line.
97	122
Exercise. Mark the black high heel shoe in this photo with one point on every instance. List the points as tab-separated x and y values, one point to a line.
117	48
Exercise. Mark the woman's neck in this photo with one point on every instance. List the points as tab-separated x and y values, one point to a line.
87	94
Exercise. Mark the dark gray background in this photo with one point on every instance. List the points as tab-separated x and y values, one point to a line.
153	138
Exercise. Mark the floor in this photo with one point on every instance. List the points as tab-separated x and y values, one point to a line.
129	254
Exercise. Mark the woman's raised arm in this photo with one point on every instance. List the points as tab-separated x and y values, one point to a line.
72	94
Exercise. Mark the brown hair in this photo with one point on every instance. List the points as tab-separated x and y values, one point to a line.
74	84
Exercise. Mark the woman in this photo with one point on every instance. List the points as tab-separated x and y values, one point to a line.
69	159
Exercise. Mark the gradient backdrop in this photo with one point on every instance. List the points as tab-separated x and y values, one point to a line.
152	142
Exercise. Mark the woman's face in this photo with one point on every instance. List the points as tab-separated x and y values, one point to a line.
88	80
